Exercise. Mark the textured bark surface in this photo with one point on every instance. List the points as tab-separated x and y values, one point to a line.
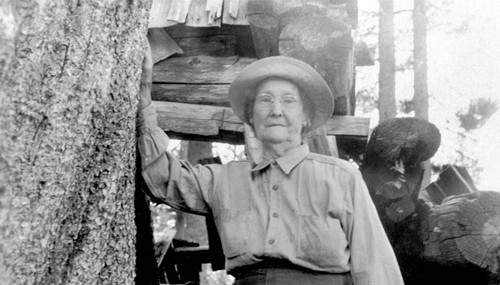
70	74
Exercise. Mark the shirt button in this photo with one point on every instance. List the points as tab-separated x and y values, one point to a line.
276	215
271	241
275	187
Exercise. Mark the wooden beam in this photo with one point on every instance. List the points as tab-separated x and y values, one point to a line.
199	69
212	94
209	120
218	45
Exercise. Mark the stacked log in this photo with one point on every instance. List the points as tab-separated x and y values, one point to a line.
455	240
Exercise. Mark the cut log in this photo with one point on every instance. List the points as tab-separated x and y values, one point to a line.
325	43
457	242
392	164
464	230
454	180
409	140
264	23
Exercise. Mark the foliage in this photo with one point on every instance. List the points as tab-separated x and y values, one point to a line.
478	112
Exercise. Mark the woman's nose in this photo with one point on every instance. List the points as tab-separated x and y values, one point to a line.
277	108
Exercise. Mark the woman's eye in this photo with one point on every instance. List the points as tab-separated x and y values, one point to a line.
289	100
266	99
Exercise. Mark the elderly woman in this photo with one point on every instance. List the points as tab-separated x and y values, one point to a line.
294	217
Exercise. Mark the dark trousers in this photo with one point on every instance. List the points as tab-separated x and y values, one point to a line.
287	275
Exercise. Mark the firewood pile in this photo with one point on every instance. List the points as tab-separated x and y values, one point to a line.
446	232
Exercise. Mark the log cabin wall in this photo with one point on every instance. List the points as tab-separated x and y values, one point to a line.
191	85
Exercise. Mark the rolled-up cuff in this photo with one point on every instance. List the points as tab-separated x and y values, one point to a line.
146	120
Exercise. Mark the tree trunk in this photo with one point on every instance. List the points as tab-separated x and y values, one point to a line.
387	61
70	75
421	96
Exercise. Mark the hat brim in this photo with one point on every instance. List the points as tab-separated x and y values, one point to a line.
243	88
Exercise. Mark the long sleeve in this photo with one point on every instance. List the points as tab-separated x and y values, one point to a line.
373	261
170	180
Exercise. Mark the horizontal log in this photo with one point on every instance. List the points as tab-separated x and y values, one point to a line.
183	31
244	45
192	94
199	69
219	45
209	120
465	229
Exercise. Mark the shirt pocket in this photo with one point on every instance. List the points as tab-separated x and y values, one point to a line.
321	241
234	226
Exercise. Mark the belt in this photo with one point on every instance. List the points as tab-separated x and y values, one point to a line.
268	263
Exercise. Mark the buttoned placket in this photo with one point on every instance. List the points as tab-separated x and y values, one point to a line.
275	197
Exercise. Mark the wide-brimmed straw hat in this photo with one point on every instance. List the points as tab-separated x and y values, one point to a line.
243	88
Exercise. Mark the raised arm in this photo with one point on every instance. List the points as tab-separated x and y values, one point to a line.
168	180
146	77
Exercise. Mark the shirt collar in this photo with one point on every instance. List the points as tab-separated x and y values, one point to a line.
286	162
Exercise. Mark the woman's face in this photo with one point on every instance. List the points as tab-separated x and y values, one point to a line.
278	112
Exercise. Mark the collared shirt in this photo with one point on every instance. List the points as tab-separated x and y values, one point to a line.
312	210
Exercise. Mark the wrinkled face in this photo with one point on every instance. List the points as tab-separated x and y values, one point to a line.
278	112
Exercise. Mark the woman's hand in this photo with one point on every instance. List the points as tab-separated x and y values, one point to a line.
146	77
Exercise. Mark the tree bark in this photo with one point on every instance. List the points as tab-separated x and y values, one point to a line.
387	61
421	96
70	75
